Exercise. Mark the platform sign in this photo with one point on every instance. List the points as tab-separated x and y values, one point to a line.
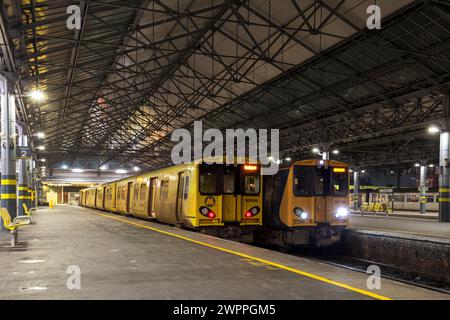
24	153
385	190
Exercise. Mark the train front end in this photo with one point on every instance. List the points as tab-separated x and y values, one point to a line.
232	196
320	199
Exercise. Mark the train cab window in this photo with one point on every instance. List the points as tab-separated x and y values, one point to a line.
310	181
251	184
209	179
339	182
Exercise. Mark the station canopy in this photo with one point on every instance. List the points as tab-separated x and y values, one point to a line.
136	70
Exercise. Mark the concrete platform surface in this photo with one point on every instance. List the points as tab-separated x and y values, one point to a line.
408	227
400	214
127	258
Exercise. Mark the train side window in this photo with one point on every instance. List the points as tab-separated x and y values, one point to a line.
143	191
136	191
186	188
164	191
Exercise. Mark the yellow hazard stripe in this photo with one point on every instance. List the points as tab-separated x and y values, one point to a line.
7	196
22	188
444	190
23	197
7	182
274	264
444	199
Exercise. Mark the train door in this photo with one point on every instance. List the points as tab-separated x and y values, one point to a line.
104	197
230	195
181	196
129	192
151	198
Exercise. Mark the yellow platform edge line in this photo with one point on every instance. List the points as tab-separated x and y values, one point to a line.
274	264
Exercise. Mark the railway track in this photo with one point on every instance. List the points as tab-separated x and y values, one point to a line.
387	271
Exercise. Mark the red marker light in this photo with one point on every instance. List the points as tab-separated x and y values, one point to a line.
248	214
211	215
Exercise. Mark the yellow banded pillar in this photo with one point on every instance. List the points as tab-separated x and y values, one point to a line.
22	190
444	178
8	148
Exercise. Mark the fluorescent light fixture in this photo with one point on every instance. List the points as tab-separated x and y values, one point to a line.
41	147
65	167
363	171
433	130
42	160
103	168
40	135
431	165
121	171
417	165
136	169
37	95
335	151
77	170
316	150
288	159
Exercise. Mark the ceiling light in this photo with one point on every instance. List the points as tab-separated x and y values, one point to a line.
77	170
37	95
417	164
41	148
433	130
431	165
42	160
121	171
315	150
363	171
335	151
65	167
40	135
103	168
136	169
288	159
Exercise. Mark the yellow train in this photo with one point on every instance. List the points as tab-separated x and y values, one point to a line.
305	204
217	199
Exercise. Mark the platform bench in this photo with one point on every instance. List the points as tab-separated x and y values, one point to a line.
14	225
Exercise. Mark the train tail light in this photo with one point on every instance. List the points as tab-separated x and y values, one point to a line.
205	211
253	211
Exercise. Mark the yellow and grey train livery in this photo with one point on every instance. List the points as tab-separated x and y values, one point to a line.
218	199
305	204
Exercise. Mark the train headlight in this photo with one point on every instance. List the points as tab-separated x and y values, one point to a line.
301	213
204	211
252	212
341	212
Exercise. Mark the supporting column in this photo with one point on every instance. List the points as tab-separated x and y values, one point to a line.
444	178
8	149
22	188
356	190
423	189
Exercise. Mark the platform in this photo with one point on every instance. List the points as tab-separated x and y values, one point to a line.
400	214
402	226
127	258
